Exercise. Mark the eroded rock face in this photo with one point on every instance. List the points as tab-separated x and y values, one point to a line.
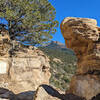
25	70
83	36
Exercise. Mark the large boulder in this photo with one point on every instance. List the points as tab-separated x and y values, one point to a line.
25	70
80	35
83	36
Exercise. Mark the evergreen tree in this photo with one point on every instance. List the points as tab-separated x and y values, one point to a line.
29	21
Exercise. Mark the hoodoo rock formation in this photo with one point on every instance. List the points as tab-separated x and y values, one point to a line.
82	35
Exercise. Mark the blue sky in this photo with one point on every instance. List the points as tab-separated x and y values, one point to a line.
75	8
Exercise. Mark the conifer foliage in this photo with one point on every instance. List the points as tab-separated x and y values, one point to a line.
29	21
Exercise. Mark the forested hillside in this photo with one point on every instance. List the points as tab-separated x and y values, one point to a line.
63	64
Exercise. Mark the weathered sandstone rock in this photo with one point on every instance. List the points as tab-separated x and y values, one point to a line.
25	71
83	36
29	71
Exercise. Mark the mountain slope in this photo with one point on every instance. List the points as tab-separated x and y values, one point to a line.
63	64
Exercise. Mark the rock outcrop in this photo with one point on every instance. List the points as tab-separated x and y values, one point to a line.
29	69
83	36
24	71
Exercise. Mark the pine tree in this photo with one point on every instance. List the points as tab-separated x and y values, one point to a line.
29	21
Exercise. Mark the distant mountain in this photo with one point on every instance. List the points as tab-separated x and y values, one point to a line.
56	44
59	46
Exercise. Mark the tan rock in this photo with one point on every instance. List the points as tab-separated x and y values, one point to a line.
84	20
25	70
57	60
4	65
86	86
46	92
4	43
83	26
82	36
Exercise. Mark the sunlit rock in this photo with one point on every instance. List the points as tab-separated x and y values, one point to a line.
83	36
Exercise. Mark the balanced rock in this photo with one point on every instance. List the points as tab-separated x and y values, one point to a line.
83	36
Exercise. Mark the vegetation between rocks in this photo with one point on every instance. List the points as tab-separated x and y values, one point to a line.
61	72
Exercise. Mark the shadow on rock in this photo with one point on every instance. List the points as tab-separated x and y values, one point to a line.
97	97
72	97
53	92
6	94
28	95
9	95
